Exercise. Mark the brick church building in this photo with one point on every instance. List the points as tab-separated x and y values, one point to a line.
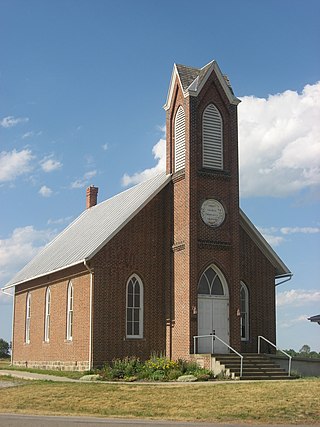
168	260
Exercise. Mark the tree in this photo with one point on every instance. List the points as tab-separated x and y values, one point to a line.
305	349
4	348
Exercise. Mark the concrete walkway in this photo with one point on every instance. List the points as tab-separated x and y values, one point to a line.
32	376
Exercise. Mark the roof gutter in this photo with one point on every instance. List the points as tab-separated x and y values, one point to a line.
90	311
283	276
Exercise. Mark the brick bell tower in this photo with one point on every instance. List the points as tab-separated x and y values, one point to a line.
202	156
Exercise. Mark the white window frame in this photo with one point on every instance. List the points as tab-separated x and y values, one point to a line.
179	140
70	300
244	315
28	318
212	138
47	315
139	281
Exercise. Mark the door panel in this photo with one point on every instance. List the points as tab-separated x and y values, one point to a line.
213	315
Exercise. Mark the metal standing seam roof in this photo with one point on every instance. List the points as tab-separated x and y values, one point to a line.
96	226
87	234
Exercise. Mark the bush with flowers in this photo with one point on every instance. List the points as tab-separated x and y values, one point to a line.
156	368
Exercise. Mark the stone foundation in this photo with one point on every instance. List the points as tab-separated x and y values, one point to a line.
54	365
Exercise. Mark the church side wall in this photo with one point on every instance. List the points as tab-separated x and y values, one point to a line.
58	353
142	247
258	275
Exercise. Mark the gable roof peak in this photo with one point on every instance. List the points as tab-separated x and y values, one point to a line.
192	80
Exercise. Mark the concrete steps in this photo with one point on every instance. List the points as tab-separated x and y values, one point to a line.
255	367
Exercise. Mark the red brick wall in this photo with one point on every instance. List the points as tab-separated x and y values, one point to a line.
141	247
258	275
58	348
198	244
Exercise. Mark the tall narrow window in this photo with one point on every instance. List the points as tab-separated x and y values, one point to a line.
28	318
47	316
134	315
70	312
244	310
179	140
212	138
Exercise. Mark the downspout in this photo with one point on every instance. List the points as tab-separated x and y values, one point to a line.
90	312
11	295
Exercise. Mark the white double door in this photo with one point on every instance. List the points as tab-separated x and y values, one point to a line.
213	318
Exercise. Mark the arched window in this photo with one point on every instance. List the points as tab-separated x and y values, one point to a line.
212	138
134	308
210	283
47	315
28	318
179	140
244	310
70	312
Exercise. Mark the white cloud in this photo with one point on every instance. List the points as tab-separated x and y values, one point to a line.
280	142
273	240
105	147
274	235
159	154
279	139
303	230
10	121
82	182
45	191
27	135
19	248
31	134
14	163
287	323
297	297
59	221
48	164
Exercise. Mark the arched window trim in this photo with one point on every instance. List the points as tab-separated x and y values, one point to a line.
244	314
179	140
70	298
132	308
47	315
222	279
28	318
212	148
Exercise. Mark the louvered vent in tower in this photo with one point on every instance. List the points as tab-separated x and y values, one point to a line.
179	140
212	140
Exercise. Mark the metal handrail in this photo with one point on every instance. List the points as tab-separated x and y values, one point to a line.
277	348
213	336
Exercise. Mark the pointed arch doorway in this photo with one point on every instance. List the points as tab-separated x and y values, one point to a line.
213	311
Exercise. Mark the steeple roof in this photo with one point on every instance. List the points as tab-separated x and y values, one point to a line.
192	79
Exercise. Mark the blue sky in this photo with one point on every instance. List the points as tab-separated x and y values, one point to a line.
82	85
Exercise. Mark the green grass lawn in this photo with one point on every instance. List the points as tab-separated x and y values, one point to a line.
269	402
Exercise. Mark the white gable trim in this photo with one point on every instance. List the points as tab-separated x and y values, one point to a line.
194	89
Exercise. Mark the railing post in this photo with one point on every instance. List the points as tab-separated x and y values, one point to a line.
241	365
259	344
194	345
212	346
289	370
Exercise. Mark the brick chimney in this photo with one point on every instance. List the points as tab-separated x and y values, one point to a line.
91	196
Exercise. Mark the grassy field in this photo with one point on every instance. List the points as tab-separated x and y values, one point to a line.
289	402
